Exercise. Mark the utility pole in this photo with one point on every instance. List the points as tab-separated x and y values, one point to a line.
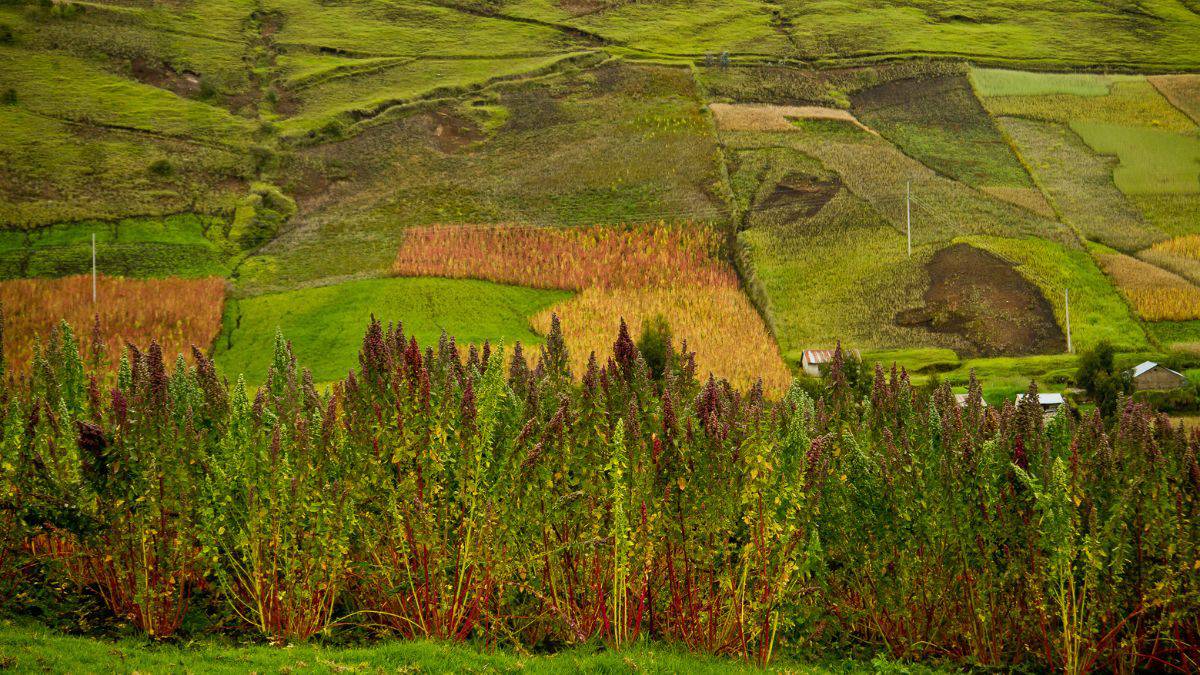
908	214
93	268
1067	305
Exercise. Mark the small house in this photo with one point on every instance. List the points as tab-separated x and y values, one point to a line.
815	362
1150	376
1050	403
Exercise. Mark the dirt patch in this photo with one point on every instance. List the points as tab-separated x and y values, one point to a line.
764	117
449	131
186	83
980	298
584	7
803	191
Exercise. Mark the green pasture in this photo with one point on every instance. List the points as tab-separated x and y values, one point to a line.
325	324
993	82
398	82
177	245
619	143
1080	185
1152	161
64	87
410	28
56	171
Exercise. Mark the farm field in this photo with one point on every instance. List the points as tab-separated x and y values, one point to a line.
325	324
672	207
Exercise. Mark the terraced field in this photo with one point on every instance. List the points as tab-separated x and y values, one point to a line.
291	146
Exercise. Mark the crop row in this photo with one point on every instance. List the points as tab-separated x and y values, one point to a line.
432	496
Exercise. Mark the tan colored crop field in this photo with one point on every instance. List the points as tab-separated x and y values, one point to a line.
630	272
1154	293
177	312
765	117
1183	91
718	322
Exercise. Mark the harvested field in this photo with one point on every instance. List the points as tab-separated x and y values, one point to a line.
1183	91
765	117
179	313
718	322
807	195
1154	293
981	298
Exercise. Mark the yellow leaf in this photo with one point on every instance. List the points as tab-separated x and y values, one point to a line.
682	483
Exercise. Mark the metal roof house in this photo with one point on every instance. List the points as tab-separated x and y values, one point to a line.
1050	402
1149	376
813	360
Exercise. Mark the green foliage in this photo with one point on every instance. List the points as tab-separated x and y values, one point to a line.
1098	377
995	82
260	215
178	245
430	495
1152	161
655	346
279	512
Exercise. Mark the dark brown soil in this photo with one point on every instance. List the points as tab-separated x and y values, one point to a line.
186	84
980	298
802	191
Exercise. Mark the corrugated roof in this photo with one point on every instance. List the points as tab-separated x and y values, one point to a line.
1143	368
1046	399
818	355
826	355
1147	366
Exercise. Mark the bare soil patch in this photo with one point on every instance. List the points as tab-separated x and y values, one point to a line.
980	298
451	132
186	83
801	190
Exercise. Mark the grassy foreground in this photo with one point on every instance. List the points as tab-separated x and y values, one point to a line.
28	648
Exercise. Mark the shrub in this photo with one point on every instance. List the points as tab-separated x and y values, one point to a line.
280	510
655	345
161	168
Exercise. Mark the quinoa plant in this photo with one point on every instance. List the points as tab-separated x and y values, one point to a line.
463	495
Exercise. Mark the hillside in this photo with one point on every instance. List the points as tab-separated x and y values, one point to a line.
292	146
